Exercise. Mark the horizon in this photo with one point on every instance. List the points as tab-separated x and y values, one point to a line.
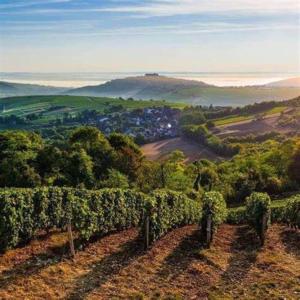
81	79
117	36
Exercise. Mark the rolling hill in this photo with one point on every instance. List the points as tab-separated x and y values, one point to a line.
291	82
9	89
188	91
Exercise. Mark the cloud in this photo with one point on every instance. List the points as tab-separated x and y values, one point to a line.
93	28
24	4
186	7
163	8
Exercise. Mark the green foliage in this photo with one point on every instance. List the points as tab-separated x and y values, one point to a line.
202	135
258	205
168	210
214	203
292	212
115	180
294	166
236	215
24	212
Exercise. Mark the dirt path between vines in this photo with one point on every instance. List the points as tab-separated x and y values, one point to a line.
116	267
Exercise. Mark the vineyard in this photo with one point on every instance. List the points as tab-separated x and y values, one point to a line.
90	214
149	246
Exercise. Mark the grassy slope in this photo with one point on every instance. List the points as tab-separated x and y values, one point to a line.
22	106
115	267
236	118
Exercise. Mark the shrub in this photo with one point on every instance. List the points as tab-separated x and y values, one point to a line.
214	206
292	212
167	210
258	209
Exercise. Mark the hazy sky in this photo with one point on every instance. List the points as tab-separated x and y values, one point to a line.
152	35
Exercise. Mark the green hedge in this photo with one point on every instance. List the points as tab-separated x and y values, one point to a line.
292	212
258	205
167	210
214	205
24	212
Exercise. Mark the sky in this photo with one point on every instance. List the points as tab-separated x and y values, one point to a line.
152	35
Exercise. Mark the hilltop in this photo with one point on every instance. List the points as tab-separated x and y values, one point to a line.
139	87
9	89
189	91
291	82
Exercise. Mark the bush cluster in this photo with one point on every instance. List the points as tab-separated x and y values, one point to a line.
168	210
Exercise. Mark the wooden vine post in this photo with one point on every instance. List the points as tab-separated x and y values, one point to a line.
209	229
146	232
69	225
264	227
71	240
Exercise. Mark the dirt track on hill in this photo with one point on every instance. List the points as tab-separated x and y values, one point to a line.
193	151
116	267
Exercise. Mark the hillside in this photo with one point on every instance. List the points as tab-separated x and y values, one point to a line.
52	107
291	82
116	267
189	91
140	87
8	89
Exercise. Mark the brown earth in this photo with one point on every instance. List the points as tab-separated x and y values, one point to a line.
193	151
116	267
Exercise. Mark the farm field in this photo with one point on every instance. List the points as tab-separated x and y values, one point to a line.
55	106
193	151
241	118
270	122
116	267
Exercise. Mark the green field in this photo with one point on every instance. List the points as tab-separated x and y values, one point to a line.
55	106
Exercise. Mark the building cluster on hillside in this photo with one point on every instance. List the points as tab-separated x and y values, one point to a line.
149	124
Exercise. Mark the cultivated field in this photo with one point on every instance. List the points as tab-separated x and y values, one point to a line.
270	122
193	151
116	267
56	106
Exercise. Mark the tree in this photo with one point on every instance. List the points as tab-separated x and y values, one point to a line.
115	179
128	155
18	151
294	167
49	162
79	169
17	172
94	143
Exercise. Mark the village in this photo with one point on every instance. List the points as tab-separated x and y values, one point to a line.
145	125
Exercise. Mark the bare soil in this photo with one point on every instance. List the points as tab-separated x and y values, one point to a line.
193	151
176	267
